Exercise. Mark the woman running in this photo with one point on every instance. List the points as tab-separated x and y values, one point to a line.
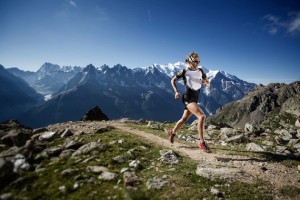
193	78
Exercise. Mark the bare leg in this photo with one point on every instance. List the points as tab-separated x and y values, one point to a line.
196	110
185	116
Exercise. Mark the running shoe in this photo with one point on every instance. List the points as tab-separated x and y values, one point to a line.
204	147
171	135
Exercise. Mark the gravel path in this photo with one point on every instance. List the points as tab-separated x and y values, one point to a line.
274	174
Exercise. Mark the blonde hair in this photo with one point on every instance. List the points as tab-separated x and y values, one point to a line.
192	57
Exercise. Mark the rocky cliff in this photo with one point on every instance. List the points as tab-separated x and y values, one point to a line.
261	105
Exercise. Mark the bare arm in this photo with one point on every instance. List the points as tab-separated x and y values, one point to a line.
173	82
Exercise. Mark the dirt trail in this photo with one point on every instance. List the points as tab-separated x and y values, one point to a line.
274	174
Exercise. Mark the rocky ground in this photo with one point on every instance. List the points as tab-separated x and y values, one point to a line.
246	156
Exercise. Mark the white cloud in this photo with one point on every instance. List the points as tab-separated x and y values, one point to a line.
275	25
72	3
294	24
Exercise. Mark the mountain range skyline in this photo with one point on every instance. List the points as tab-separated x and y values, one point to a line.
119	91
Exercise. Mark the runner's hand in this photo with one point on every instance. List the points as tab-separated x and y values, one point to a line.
177	95
205	82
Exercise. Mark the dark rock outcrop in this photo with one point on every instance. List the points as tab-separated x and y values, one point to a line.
95	114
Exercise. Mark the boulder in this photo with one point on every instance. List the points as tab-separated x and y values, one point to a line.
14	134
168	157
226	133
131	179
156	183
95	114
237	139
217	172
107	176
88	148
254	147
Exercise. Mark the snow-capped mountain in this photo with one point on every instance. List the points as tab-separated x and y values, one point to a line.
48	79
224	87
134	93
119	91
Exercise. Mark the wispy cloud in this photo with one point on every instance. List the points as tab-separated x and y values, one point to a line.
276	25
102	13
72	3
294	25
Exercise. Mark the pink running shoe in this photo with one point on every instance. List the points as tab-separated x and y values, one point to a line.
204	147
171	135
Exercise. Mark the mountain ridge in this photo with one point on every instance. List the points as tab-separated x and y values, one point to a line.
263	101
134	93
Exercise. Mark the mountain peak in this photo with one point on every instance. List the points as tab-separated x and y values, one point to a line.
49	67
90	69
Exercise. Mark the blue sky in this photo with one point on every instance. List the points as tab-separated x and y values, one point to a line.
256	40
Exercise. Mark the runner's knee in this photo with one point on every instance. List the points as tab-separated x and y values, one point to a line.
201	117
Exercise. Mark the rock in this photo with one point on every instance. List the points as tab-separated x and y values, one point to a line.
95	114
297	146
124	170
283	132
268	143
48	136
212	127
119	159
63	189
97	169
7	173
226	133
297	123
168	157
66	133
254	147
237	139
16	137
292	142
131	179
20	163
216	192
71	144
87	148
11	152
282	150
155	125
250	128
66	153
104	129
54	151
156	183
107	176
2	147
142	121
6	196
193	127
218	172
136	164
39	130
